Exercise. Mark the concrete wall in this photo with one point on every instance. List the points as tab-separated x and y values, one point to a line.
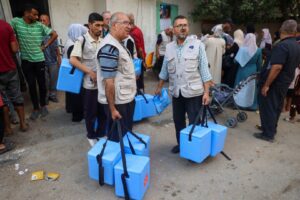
64	13
184	8
145	16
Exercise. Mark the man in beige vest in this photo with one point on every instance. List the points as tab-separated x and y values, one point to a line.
115	76
185	65
84	58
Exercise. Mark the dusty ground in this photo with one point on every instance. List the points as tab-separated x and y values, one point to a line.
258	170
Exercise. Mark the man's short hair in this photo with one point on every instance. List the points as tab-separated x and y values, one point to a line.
105	12
95	17
289	26
179	17
28	7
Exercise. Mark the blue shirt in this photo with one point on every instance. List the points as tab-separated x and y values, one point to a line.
50	52
203	64
108	57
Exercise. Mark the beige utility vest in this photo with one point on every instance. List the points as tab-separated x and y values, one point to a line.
89	58
165	40
125	81
184	74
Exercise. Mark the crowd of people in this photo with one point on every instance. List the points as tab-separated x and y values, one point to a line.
104	49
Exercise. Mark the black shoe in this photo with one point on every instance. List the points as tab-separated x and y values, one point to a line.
175	149
53	99
263	137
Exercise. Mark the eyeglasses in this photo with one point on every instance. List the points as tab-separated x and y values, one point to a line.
126	23
181	26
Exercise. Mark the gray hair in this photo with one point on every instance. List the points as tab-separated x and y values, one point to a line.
113	19
289	26
105	12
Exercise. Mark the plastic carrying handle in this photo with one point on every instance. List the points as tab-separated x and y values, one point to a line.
100	155
125	174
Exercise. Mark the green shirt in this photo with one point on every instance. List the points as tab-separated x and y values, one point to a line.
30	37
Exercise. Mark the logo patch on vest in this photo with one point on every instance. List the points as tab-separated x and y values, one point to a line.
191	47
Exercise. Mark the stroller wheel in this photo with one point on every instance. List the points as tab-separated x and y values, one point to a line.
231	122
241	116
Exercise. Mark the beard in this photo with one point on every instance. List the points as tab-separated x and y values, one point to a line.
182	36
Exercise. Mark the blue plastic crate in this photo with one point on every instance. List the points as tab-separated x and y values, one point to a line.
218	137
112	154
199	147
69	80
138	168
137	66
139	147
163	101
143	109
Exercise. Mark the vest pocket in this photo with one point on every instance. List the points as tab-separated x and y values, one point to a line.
126	66
195	87
171	66
191	65
125	92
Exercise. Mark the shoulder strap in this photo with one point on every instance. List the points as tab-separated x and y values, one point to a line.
83	43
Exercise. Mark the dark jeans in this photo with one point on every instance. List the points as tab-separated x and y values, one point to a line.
93	111
1	125
35	73
270	109
74	105
181	106
126	111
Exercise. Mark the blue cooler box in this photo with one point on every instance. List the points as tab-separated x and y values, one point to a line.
112	154
139	147
218	137
68	81
138	168
199	147
137	66
163	101
143	109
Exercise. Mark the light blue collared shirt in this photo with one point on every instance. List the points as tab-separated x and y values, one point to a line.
203	63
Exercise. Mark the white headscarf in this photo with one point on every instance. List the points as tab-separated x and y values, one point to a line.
218	30
74	31
238	37
267	39
247	50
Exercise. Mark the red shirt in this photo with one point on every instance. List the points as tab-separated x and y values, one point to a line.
7	36
138	37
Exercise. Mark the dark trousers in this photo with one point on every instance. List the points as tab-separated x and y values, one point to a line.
35	73
1	125
270	108
126	111
74	105
93	111
181	106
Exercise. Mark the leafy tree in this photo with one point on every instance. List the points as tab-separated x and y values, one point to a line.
243	11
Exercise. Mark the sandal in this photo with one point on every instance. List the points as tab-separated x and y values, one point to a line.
8	147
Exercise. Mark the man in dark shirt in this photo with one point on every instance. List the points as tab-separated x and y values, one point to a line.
283	62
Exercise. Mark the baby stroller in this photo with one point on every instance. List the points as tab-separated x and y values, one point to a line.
223	95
